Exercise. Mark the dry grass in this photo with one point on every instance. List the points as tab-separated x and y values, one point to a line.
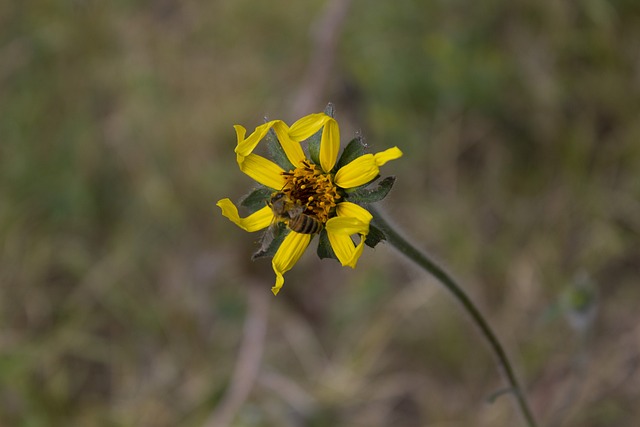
124	292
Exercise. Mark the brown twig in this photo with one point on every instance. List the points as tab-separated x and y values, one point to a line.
325	38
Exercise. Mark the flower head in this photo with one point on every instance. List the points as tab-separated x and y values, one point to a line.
304	195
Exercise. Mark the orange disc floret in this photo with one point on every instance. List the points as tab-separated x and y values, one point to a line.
308	186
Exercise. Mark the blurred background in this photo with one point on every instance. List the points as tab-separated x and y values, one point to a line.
126	299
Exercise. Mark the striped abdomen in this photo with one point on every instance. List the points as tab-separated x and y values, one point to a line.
305	224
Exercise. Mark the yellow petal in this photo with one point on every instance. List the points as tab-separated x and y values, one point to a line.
254	222
351	219
344	248
291	148
346	226
262	170
348	209
359	172
386	155
289	252
330	142
365	168
307	126
357	252
329	145
246	146
240	134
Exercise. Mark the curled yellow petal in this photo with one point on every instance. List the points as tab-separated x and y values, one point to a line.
247	145
348	209
240	137
307	126
291	148
330	142
329	145
262	170
347	252
351	219
390	154
289	252
254	222
346	226
365	168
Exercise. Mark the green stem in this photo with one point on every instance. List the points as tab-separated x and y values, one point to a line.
401	244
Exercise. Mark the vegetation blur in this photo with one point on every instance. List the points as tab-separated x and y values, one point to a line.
128	300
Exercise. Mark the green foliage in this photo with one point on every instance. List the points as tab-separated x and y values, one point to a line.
375	236
256	199
354	149
372	193
324	249
276	151
313	145
271	240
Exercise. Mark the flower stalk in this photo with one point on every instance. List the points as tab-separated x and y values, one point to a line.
407	249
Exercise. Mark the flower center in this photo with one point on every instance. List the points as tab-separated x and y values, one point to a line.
308	186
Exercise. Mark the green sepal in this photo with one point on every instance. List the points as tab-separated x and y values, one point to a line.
277	152
313	143
374	237
353	150
271	240
330	110
374	194
324	246
257	199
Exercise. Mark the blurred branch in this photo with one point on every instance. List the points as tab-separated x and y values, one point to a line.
287	389
248	361
325	37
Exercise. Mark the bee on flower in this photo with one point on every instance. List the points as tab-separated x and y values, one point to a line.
304	195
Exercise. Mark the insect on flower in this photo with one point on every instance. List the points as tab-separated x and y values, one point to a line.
293	213
307	195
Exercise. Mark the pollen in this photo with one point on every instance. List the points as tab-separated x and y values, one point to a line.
308	186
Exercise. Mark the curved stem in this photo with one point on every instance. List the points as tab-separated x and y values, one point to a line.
402	245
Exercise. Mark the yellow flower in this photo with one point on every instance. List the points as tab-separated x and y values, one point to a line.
314	190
